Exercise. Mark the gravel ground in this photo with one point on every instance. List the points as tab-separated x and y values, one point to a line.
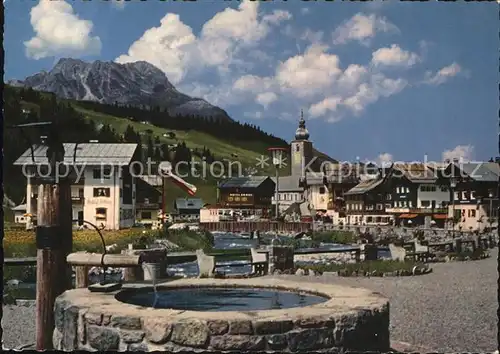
452	309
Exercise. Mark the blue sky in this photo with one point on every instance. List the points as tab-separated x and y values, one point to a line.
388	81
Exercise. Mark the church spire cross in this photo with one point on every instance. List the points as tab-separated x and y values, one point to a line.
302	133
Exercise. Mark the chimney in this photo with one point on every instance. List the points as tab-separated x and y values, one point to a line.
93	141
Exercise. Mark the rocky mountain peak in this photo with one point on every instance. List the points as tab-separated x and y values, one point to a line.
138	83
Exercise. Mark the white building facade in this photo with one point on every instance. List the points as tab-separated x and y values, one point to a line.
103	189
432	195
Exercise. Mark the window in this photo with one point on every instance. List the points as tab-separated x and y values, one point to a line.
444	189
388	196
80	193
466	195
321	190
102	192
425	203
457	195
370	207
472	213
407	189
369	219
146	215
405	203
380	207
428	188
397	190
388	206
410	204
297	148
102	173
100	213
472	195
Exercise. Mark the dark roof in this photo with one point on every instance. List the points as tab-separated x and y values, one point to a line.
188	203
365	186
86	154
243	182
416	172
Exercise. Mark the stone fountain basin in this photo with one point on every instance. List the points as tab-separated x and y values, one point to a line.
351	319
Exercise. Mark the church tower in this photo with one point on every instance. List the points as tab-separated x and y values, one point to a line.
301	149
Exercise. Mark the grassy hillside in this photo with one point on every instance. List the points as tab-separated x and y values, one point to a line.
44	106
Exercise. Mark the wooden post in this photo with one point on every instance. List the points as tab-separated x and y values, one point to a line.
54	241
81	277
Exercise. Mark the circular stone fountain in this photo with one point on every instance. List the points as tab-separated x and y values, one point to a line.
253	314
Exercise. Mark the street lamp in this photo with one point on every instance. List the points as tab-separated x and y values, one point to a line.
277	154
490	195
453	184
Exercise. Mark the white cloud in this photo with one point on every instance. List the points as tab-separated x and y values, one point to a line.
461	152
59	31
394	56
175	49
252	83
165	47
443	75
266	98
233	45
309	73
329	104
362	28
305	11
369	92
277	16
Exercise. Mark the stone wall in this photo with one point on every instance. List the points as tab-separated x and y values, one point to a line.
78	329
99	322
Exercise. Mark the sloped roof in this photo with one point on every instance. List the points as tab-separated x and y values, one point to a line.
243	182
188	203
21	207
417	172
481	171
365	186
86	154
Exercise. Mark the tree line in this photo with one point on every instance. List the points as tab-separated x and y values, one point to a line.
23	106
160	117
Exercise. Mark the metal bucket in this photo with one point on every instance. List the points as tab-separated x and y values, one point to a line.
152	271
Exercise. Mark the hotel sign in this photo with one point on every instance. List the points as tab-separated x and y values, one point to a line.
98	201
240	199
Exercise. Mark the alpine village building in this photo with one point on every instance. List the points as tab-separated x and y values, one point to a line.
103	191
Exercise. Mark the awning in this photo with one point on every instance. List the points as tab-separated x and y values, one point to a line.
408	216
440	216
